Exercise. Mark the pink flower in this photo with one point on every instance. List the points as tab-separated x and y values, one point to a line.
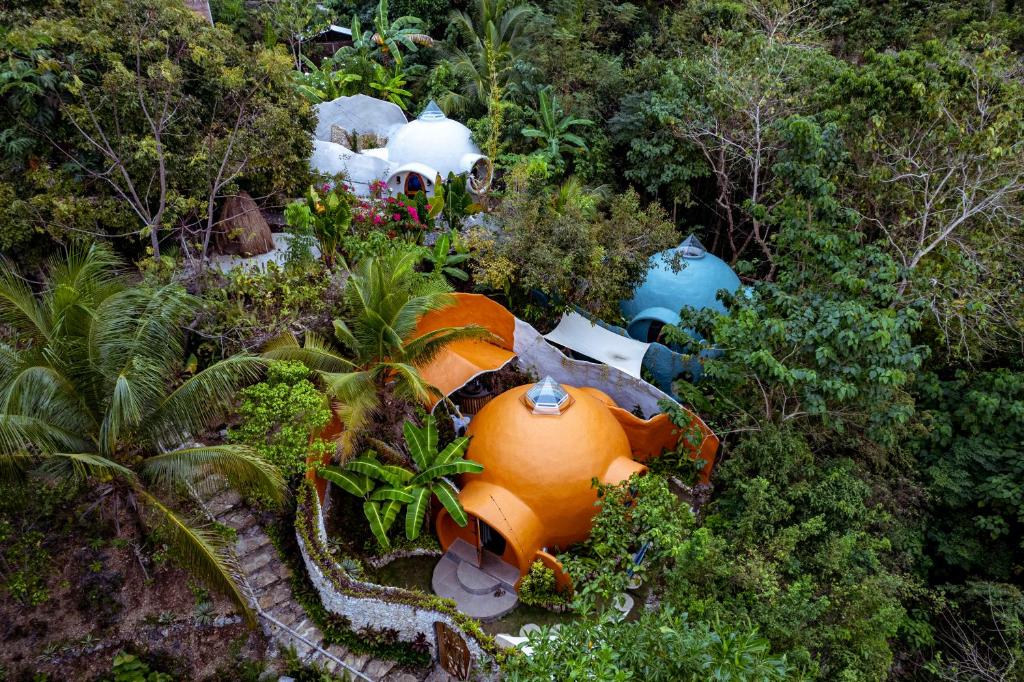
414	213
429	207
376	220
396	217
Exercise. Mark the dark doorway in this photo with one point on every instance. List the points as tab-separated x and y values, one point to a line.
491	540
654	331
413	184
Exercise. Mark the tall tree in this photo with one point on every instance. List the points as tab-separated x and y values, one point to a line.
91	390
493	37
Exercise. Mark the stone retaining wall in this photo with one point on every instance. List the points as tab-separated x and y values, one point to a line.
367	604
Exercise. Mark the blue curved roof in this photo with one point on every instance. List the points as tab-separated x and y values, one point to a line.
665	292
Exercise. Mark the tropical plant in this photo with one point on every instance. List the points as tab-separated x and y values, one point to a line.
387	487
390	86
494	37
325	82
328	213
390	36
279	417
444	261
376	352
293	21
554	129
87	393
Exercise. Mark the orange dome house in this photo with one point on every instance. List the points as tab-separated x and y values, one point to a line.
541	446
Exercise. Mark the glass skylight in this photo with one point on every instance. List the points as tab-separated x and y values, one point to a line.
432	112
692	248
548	397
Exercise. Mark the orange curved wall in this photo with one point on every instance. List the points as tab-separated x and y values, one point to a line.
463	360
651	437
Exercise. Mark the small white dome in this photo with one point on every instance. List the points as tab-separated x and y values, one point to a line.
434	140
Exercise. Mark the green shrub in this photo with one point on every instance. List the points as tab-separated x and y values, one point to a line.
539	587
246	308
280	414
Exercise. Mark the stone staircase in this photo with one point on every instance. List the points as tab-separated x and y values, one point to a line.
267	579
485	592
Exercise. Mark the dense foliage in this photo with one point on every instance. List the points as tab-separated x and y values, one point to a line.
133	119
859	164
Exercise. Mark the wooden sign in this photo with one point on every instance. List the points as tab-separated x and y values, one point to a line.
452	651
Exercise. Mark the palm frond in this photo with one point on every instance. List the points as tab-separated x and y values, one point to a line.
201	552
242	466
315	353
425	348
79	466
19	307
202	399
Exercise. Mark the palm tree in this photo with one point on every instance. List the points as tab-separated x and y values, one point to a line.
87	394
376	352
494	37
554	128
386	487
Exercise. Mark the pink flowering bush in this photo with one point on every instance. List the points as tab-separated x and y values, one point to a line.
397	218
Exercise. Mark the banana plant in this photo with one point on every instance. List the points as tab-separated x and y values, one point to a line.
382	487
390	36
390	86
386	488
325	82
433	468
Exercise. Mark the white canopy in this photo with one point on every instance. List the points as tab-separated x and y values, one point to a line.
583	336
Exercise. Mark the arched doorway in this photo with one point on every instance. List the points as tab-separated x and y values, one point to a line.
414	183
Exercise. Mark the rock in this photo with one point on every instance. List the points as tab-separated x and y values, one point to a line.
528	629
242	229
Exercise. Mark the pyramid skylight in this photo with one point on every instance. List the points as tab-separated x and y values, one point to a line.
692	248
548	397
432	112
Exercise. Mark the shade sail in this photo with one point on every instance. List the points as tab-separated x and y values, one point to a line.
583	336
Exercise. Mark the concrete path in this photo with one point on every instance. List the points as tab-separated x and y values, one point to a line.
267	578
485	592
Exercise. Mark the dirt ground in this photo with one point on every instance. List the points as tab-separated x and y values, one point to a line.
105	597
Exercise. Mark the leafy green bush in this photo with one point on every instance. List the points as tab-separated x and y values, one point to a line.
245	308
280	414
539	587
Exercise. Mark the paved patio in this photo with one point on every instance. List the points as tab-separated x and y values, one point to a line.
484	592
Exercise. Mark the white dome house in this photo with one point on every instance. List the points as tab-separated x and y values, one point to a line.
435	145
414	155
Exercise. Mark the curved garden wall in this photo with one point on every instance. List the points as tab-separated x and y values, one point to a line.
367	604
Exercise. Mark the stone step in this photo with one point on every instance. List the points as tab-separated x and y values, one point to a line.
223	502
280	594
253	561
264	578
475	581
377	668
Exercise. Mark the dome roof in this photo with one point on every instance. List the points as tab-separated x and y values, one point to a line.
664	293
435	140
547	461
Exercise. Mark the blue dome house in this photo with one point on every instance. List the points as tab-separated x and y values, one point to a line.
665	292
